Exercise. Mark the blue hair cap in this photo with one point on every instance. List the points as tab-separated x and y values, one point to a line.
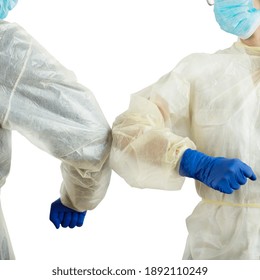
6	6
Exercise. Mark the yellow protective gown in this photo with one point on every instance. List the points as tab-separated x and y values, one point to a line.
209	102
42	100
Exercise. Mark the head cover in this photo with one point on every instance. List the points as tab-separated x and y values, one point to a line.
238	17
6	6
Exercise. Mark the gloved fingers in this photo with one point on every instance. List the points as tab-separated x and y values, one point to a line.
240	178
56	223
74	219
248	172
58	219
54	218
81	218
65	222
54	215
65	216
226	189
235	186
223	186
61	216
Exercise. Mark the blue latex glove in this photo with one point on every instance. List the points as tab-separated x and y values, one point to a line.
238	17
64	216
219	173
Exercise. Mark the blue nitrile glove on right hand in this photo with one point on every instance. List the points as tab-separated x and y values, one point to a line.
219	173
65	216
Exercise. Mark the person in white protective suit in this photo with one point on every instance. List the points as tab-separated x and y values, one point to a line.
202	120
43	101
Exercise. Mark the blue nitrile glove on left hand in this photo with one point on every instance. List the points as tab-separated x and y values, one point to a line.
219	173
65	216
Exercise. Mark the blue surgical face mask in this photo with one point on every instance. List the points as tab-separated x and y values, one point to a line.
238	17
6	6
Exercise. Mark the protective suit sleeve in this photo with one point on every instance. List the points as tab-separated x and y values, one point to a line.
5	154
151	136
45	103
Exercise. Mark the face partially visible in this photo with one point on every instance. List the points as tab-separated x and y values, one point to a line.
254	40
257	4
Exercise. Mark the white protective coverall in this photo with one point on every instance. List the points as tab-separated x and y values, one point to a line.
42	100
209	102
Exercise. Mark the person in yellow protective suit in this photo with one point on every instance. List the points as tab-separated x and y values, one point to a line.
202	120
42	100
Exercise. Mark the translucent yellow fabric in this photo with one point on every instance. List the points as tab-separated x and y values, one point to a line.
209	102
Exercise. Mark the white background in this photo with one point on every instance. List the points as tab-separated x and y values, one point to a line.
115	47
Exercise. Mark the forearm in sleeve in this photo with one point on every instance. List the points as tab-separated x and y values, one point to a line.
52	110
145	152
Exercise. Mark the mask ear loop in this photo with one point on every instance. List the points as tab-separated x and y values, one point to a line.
210	2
